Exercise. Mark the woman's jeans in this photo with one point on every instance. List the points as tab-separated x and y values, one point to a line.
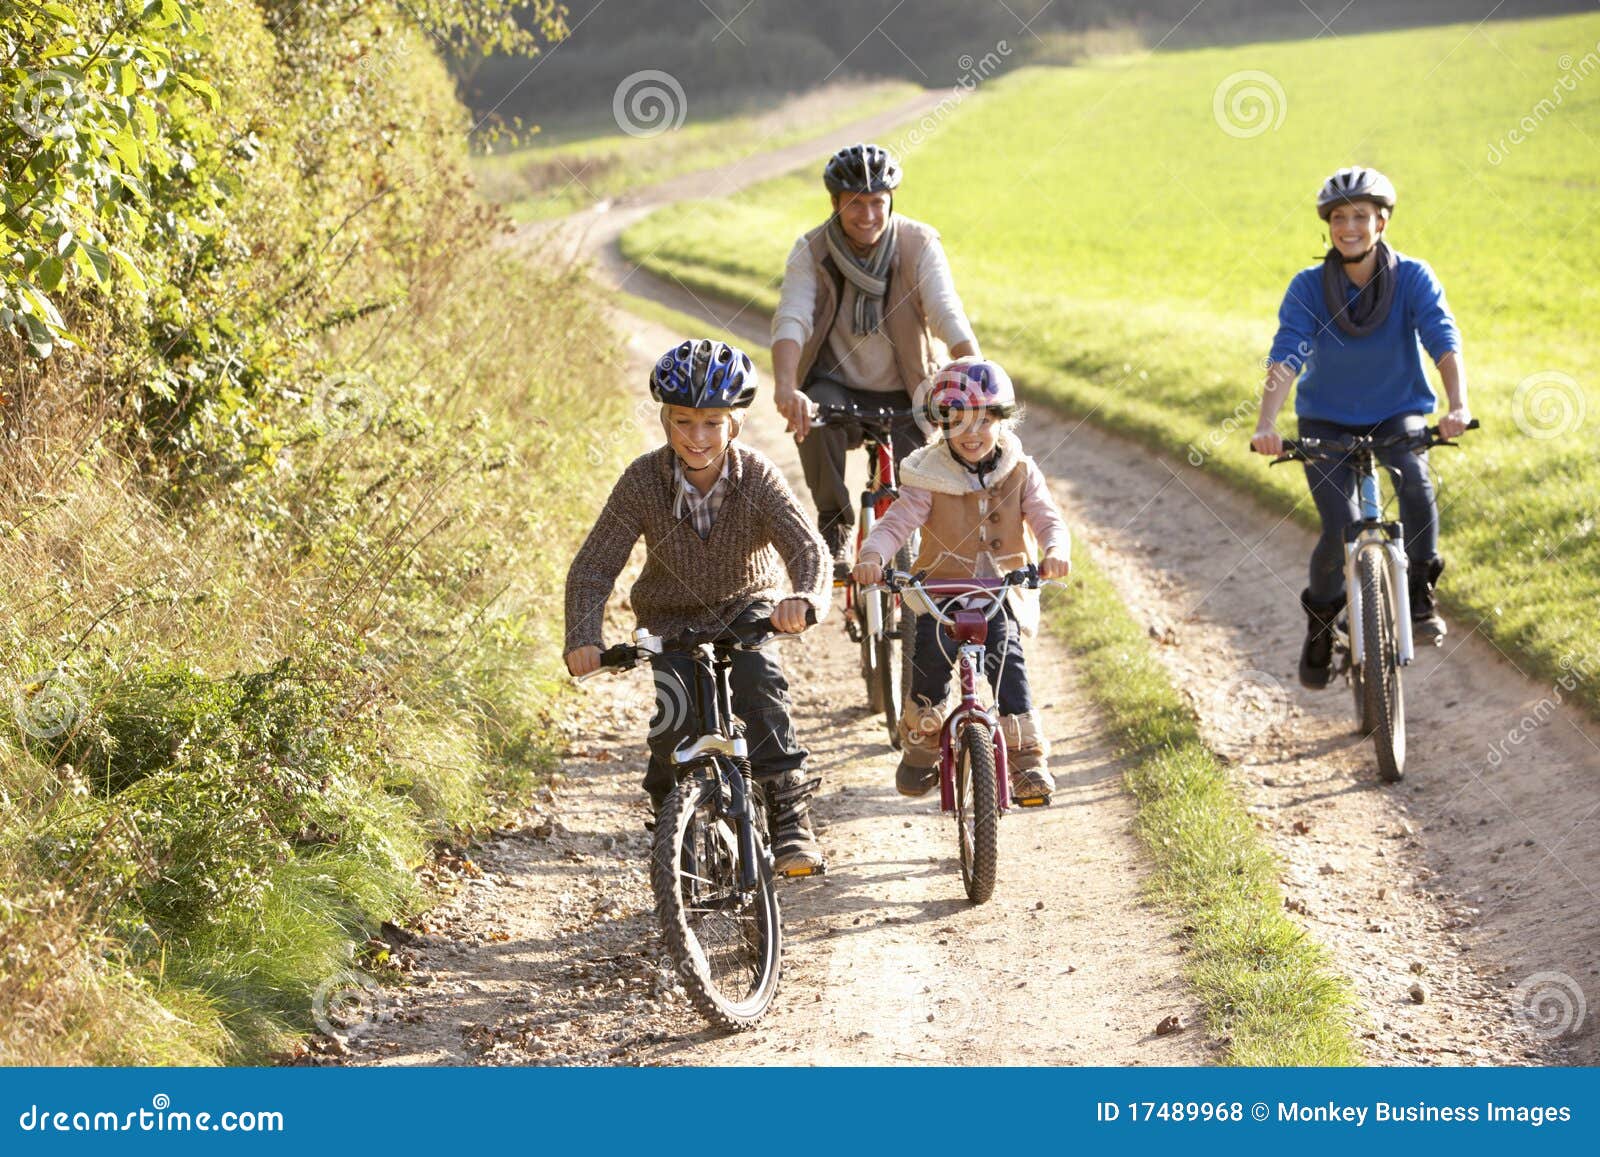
1333	488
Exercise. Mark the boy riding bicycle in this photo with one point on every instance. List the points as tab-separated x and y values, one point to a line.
1353	329
721	527
975	496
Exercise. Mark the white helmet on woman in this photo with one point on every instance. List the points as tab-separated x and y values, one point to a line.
1356	184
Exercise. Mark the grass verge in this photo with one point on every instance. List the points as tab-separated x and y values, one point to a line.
1270	990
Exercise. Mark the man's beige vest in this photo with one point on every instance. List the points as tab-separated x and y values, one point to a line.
904	322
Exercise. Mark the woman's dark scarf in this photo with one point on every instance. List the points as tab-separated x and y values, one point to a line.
1370	307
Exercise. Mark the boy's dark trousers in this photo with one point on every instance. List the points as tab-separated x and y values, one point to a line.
760	700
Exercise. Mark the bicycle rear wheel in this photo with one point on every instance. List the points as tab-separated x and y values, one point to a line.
1383	698
977	811
725	939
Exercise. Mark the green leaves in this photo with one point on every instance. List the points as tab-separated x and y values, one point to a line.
91	127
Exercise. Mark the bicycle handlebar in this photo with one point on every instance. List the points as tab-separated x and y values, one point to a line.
751	635
1027	577
1305	449
845	414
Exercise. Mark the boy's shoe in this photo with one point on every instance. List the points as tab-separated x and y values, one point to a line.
1426	625
794	846
1032	783
1316	655
1026	753
914	781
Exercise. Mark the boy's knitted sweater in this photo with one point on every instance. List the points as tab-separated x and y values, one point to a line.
690	583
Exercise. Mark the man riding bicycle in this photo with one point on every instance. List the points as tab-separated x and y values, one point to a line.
865	294
1352	329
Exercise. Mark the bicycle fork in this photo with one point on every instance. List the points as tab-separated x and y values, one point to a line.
1371	533
970	711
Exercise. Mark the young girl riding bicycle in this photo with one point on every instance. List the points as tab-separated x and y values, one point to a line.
976	497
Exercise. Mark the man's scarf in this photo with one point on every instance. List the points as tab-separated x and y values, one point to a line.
869	274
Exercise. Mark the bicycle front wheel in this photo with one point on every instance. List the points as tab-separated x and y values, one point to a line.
895	650
725	938
977	811
1383	699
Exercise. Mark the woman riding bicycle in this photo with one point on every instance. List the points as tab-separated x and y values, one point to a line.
1352	329
976	497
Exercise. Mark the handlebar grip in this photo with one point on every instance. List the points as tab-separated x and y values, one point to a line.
623	656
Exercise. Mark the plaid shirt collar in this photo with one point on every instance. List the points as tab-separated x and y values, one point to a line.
702	508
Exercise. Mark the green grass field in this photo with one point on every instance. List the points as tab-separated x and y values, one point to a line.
1125	256
569	169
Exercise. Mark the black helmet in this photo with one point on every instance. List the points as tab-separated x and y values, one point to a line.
704	375
1356	184
862	169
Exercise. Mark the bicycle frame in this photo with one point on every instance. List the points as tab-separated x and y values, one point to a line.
1371	532
875	501
970	630
721	749
970	662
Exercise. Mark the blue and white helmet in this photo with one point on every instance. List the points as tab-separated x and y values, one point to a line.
704	375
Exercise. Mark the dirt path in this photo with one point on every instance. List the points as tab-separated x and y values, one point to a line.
548	951
552	957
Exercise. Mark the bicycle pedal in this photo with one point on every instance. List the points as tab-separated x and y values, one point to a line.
805	873
1031	801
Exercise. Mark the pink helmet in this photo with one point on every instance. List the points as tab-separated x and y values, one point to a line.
968	385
